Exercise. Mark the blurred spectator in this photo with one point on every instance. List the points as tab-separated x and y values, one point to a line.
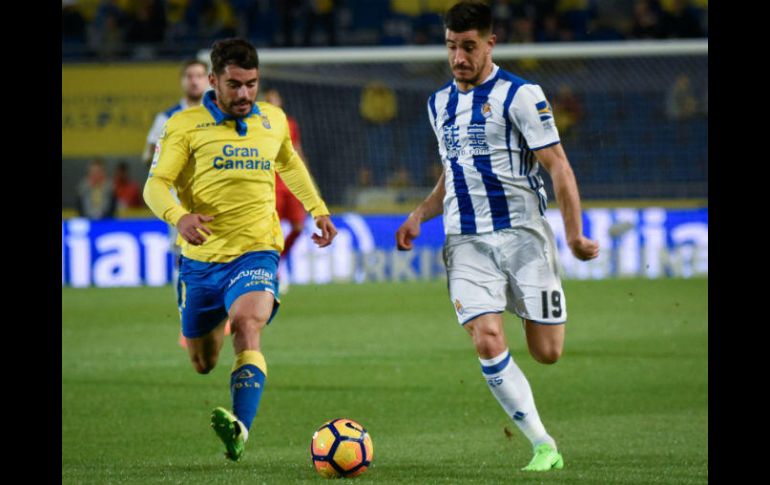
289	10
163	27
681	103
646	24
680	20
523	30
95	197
287	205
320	12
148	23
106	33
378	108
397	29
576	16
567	111
73	25
128	194
219	20
502	19
364	177
400	178
178	29
551	30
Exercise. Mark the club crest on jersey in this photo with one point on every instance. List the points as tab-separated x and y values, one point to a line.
486	110
458	307
544	110
265	122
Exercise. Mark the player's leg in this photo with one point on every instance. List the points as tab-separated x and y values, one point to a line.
202	311
249	314
535	294
545	342
251	305
478	289
204	351
505	379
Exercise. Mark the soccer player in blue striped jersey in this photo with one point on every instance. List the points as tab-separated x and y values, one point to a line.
194	82
221	158
494	130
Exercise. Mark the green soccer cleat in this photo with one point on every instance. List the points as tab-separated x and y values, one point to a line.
230	431
545	459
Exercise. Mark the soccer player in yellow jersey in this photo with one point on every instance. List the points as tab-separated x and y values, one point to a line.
222	157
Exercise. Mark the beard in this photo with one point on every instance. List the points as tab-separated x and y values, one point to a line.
466	75
234	107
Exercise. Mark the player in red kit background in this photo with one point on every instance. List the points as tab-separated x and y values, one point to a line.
288	206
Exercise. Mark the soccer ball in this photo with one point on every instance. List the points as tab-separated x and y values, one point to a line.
341	448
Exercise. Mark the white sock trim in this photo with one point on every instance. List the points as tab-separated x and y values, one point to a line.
244	431
494	360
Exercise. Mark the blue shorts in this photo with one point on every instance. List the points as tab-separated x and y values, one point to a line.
205	291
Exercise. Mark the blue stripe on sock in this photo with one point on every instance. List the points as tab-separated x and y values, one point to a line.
494	369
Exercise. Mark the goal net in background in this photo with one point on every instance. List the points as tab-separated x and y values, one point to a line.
633	116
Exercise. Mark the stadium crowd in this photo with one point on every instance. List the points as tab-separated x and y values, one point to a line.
148	29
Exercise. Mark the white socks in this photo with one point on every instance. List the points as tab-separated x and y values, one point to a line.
512	391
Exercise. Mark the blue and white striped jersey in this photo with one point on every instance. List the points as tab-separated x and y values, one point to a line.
486	140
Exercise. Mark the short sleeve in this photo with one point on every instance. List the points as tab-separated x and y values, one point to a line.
432	111
533	116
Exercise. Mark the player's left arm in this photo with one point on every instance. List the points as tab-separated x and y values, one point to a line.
532	114
295	175
554	160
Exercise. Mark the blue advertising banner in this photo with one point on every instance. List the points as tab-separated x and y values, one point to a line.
650	242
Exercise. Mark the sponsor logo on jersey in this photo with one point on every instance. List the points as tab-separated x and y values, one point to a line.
205	125
544	110
247	158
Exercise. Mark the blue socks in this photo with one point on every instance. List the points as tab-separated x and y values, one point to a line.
246	384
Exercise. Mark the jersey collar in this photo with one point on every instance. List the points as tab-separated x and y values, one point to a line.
209	101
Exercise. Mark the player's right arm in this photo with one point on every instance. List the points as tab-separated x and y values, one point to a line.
429	208
169	161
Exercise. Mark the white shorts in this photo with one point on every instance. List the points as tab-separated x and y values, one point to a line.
511	269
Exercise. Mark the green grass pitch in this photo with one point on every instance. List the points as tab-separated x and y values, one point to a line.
627	403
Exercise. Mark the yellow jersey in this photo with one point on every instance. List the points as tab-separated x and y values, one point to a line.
225	168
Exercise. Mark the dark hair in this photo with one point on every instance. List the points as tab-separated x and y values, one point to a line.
468	15
233	51
192	62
